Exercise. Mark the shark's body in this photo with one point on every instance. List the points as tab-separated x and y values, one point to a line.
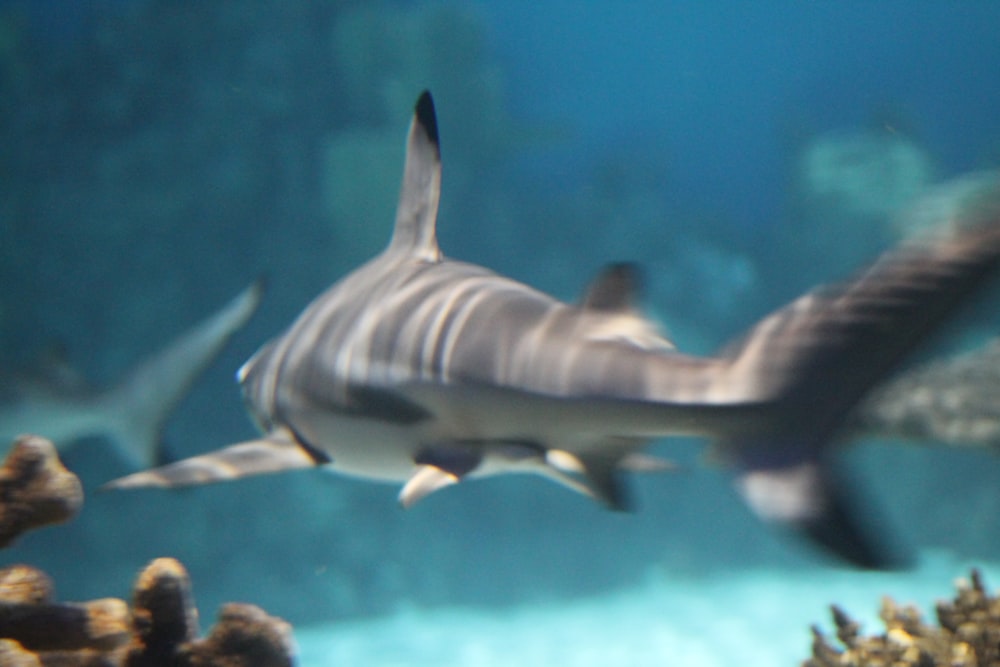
425	371
57	404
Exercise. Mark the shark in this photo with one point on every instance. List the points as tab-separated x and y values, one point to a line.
425	371
56	402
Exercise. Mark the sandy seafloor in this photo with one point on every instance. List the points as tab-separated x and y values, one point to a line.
757	617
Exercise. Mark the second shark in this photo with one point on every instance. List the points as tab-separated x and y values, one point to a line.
56	403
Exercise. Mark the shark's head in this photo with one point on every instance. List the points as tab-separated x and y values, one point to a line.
258	387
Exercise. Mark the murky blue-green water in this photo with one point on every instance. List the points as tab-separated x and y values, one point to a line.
156	157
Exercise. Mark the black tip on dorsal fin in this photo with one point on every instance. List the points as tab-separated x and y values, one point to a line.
416	215
615	288
424	114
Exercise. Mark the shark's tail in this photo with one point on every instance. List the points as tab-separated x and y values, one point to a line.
816	359
136	409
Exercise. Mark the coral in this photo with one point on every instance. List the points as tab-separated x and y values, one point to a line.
160	630
166	624
245	636
165	616
967	635
34	622
35	489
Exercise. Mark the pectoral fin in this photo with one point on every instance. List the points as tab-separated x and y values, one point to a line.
254	457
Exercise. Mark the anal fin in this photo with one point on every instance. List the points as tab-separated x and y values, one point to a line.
594	475
605	480
601	476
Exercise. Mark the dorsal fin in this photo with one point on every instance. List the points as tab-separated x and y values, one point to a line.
416	215
614	289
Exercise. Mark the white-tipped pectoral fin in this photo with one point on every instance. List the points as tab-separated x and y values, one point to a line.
425	481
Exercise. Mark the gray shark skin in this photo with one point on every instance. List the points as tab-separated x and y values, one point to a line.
425	371
131	413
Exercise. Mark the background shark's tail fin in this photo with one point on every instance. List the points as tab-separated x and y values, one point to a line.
818	357
137	408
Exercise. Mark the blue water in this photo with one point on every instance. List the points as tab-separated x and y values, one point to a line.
159	156
715	85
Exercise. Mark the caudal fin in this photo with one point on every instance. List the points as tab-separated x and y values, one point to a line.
137	408
816	358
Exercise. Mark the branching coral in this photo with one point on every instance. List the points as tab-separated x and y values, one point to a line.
160	630
967	635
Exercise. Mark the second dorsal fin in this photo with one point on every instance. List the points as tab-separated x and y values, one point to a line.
614	289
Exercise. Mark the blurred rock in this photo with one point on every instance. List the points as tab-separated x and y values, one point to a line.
13	654
161	630
99	625
24	584
166	627
164	611
35	489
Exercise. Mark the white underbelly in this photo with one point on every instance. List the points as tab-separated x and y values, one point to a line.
365	448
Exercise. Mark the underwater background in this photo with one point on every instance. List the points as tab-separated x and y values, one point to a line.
158	156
